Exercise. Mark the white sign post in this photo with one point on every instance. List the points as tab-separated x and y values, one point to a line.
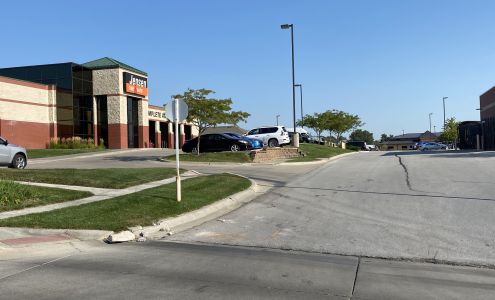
177	111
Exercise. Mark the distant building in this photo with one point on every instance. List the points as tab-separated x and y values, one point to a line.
224	129
470	135
487	117
407	141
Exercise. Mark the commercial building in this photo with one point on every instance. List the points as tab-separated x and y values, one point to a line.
104	100
407	141
487	117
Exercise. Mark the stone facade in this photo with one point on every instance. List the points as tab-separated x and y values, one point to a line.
274	154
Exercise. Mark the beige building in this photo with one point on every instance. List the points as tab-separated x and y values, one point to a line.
105	100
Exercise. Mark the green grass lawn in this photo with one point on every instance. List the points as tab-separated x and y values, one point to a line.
15	196
40	153
235	157
315	152
141	208
102	178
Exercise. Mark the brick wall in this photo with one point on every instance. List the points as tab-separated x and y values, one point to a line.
274	154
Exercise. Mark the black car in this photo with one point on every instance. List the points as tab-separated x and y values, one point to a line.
360	144
216	142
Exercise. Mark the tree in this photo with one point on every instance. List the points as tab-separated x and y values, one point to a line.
315	122
384	137
205	112
340	122
362	135
451	131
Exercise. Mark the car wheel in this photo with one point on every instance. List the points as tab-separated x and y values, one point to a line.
272	143
235	148
19	161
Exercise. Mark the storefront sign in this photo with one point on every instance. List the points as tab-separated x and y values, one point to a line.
134	84
156	115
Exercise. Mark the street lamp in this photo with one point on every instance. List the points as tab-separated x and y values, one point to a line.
430	119
277	119
443	99
295	138
302	114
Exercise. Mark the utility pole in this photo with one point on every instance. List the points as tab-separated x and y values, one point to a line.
430	119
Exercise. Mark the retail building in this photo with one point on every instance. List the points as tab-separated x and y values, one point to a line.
104	100
487	117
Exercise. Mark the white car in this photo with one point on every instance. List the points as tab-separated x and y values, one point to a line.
12	155
272	136
432	146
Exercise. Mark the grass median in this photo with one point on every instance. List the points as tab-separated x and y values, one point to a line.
41	153
15	196
141	208
314	152
234	157
101	178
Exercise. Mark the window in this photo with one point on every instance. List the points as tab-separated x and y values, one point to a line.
254	131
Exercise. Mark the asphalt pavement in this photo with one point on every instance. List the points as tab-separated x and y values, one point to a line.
379	225
436	206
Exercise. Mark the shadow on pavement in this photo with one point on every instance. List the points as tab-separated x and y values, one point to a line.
444	154
388	193
133	158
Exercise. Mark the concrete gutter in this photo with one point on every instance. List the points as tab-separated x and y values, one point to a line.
191	219
82	235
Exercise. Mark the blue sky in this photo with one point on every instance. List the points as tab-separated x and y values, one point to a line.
390	62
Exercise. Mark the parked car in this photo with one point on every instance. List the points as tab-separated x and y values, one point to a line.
272	136
216	142
255	143
372	147
433	146
303	137
360	144
12	155
315	140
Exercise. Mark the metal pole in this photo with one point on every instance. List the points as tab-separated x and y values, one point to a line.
443	99
277	119
293	87
176	117
302	114
430	120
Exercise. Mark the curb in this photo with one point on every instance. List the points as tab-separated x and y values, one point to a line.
194	218
316	162
82	235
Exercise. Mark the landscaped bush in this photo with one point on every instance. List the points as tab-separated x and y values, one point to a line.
74	143
353	148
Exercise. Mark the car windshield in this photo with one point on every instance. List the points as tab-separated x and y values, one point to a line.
233	134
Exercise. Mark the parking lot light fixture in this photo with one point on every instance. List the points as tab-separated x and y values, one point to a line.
443	99
295	139
430	119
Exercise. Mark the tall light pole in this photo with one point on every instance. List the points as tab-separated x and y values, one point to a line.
430	119
295	137
302	113
277	119
443	99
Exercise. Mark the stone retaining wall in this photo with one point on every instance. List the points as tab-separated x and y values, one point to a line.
274	154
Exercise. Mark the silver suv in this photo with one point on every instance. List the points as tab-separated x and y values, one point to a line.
12	155
272	136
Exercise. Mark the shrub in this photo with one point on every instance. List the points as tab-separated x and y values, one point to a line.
75	143
353	148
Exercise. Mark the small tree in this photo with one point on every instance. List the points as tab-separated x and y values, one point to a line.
340	122
205	112
451	131
384	137
315	122
362	135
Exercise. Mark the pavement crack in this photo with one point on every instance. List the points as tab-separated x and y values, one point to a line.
34	267
355	277
408	182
